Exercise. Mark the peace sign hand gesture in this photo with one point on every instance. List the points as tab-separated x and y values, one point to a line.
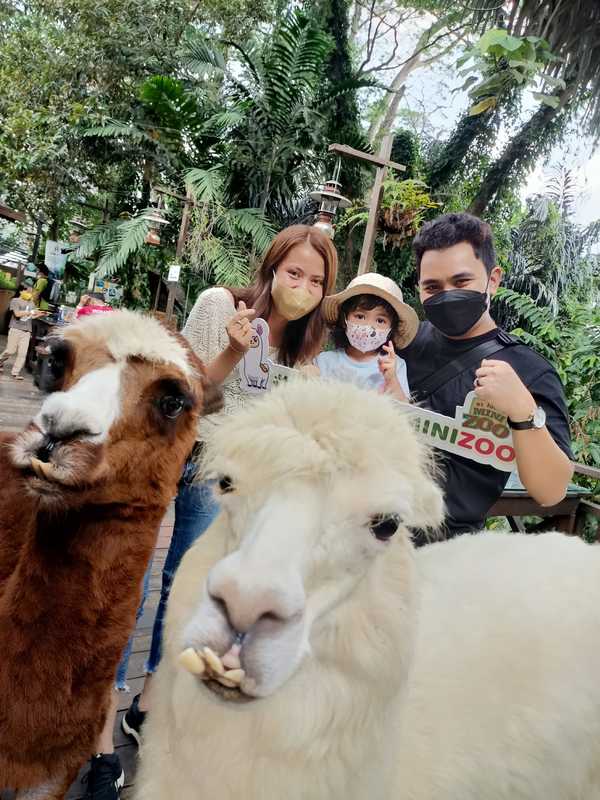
387	367
239	330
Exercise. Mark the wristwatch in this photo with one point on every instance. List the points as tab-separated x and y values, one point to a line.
536	420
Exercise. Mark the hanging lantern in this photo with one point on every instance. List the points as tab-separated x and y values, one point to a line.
77	227
155	218
330	199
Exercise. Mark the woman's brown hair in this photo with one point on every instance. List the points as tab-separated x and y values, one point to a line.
303	338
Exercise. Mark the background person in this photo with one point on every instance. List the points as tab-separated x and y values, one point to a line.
19	331
41	287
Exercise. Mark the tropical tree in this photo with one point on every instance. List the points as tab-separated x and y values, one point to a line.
551	257
224	242
571	29
220	246
81	62
274	119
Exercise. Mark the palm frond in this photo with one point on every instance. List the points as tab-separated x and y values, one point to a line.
95	238
253	223
114	129
129	238
199	56
224	262
218	123
206	185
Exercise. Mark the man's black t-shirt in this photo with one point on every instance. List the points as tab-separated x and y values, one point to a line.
470	488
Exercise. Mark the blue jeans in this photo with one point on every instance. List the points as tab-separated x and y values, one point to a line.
195	509
121	678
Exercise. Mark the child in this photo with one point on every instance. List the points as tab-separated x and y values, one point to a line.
369	317
19	331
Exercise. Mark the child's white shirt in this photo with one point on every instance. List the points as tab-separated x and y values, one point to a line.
337	365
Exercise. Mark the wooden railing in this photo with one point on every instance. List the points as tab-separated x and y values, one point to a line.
587	506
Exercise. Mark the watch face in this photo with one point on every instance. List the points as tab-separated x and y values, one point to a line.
539	417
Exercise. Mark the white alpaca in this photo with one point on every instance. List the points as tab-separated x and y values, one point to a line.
465	671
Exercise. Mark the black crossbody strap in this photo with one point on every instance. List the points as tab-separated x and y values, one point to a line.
468	359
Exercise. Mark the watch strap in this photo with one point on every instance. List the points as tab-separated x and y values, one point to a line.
526	425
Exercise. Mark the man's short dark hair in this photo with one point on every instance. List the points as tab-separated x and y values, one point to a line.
42	268
451	229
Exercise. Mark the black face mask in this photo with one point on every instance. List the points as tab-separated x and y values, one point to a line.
456	311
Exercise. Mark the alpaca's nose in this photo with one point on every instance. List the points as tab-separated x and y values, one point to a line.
245	603
59	427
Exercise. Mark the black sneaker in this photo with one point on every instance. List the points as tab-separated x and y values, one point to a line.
132	721
105	778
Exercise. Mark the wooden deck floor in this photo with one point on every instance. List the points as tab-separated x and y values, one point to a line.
19	402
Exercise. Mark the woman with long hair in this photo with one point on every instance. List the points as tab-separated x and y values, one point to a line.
297	271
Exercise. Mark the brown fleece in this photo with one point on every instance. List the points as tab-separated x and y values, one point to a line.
71	571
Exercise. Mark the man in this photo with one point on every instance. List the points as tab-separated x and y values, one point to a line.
457	276
19	331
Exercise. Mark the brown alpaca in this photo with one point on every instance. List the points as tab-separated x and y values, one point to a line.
84	490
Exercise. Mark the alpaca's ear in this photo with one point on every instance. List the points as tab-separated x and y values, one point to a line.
427	507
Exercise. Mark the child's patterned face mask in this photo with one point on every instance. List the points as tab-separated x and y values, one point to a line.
365	337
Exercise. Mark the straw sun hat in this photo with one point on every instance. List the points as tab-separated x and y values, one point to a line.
380	286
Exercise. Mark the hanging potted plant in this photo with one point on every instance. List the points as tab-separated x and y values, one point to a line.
402	209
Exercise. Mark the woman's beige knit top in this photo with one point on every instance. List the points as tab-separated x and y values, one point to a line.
206	332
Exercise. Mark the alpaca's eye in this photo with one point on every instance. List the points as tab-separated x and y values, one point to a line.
171	406
51	372
225	484
384	526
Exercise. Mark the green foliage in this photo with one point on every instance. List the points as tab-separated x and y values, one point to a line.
571	342
551	257
406	150
506	62
273	110
116	241
81	63
341	113
222	238
403	207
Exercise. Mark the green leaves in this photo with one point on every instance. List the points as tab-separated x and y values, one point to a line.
207	185
126	238
222	237
546	99
499	43
483	106
507	62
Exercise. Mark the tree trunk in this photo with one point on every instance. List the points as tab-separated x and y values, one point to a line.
452	157
356	15
521	152
146	183
380	128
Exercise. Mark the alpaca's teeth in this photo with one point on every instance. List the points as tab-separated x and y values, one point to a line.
231	659
192	661
213	661
235	676
36	466
48	471
225	682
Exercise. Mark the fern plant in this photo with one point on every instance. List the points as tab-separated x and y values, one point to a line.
571	342
115	242
274	110
224	242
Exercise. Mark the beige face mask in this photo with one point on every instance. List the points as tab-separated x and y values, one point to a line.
292	303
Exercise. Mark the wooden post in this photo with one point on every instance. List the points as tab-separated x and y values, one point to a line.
366	254
185	219
382	161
